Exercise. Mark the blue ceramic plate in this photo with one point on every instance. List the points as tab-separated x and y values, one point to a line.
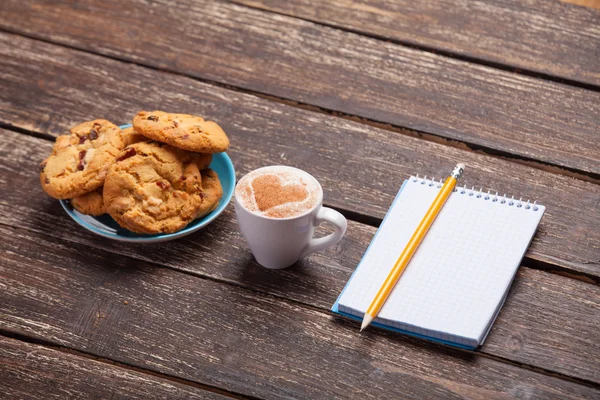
105	226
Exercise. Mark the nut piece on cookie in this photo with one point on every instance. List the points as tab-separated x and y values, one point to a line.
185	131
212	192
132	137
153	188
79	161
90	203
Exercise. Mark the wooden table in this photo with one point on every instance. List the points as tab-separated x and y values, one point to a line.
359	94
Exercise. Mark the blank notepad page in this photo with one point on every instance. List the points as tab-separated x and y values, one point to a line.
458	278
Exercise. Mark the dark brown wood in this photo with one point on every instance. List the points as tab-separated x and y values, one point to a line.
290	58
29	371
543	36
236	339
525	331
361	167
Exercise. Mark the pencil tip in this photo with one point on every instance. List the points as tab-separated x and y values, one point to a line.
366	321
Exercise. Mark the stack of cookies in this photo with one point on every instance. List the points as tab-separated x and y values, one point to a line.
151	178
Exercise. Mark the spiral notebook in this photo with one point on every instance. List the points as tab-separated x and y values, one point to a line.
457	281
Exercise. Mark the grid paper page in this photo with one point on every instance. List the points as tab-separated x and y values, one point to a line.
457	280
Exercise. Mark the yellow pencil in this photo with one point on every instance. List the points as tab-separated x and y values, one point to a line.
411	246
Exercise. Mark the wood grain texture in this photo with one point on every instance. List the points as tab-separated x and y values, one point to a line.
525	332
543	36
29	371
236	339
337	70
361	167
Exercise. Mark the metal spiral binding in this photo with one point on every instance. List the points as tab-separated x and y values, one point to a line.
480	194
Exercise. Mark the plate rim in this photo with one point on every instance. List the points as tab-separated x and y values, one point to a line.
161	237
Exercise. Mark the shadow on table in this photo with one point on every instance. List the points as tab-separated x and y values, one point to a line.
298	278
373	335
301	282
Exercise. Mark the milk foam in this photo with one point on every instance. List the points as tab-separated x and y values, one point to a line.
287	179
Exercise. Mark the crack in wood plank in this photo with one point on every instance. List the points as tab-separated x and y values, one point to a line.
493	121
153	290
499	34
54	370
565	237
334	267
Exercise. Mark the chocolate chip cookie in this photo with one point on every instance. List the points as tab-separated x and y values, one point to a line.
185	131
211	192
131	136
153	188
202	160
79	161
90	203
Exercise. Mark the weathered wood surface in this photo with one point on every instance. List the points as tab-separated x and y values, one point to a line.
543	36
29	371
524	332
228	337
338	70
69	87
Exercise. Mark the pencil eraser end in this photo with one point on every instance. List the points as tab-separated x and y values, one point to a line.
461	165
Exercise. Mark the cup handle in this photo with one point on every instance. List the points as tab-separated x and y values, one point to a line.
334	218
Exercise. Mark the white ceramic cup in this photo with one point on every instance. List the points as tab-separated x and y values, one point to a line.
277	243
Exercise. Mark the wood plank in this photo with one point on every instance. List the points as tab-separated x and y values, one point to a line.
298	60
361	167
228	337
29	371
525	332
543	36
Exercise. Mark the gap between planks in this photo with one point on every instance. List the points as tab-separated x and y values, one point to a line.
434	50
89	356
287	300
498	154
376	222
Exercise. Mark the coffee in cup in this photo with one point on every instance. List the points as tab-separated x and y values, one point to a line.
278	208
278	192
